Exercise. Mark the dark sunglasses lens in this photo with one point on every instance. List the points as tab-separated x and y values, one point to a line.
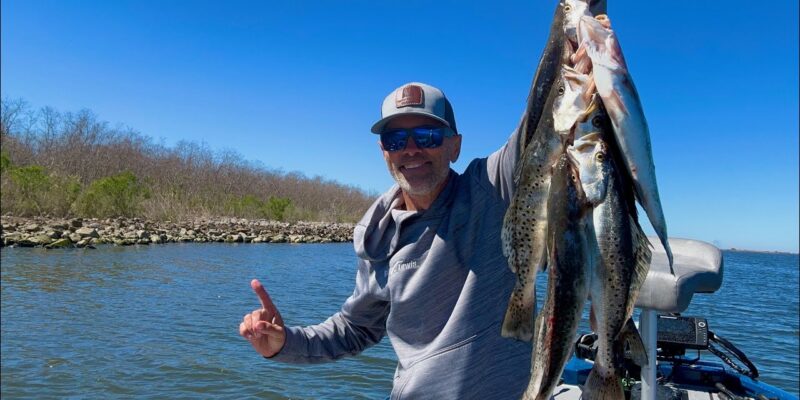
428	137
394	140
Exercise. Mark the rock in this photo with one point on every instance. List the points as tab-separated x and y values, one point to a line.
143	241
75	237
31	228
155	239
76	223
41	239
60	243
87	232
53	234
279	238
296	238
13	236
142	234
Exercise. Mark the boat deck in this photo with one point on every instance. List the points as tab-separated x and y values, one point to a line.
572	392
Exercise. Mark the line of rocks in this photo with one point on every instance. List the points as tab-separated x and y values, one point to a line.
78	232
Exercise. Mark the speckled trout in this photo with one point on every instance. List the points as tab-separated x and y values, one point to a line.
624	254
570	251
621	101
525	223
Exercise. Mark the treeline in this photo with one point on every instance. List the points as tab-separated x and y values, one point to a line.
65	164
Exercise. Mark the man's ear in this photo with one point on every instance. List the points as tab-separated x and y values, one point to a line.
456	149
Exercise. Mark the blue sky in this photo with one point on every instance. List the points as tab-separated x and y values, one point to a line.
296	86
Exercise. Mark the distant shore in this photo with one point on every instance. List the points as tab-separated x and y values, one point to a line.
87	232
762	251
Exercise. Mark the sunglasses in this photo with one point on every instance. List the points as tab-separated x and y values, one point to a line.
425	137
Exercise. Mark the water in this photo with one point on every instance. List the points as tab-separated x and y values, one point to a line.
162	321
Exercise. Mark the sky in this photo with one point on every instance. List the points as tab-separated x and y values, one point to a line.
295	86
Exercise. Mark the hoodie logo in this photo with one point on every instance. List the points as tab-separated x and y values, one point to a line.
404	266
411	95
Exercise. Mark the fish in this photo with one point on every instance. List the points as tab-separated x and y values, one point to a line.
573	103
624	256
524	229
553	56
569	243
543	130
621	100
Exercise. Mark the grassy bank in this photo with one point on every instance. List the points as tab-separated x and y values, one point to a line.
73	165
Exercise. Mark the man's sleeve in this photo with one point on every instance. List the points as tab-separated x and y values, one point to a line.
501	164
358	325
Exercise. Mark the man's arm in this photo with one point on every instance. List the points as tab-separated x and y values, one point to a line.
501	164
360	324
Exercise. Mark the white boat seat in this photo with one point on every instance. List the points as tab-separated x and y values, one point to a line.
698	269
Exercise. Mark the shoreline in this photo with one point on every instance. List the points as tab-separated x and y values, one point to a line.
87	232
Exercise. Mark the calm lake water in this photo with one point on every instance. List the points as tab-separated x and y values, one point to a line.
162	321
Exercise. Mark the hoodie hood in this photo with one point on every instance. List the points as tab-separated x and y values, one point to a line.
377	235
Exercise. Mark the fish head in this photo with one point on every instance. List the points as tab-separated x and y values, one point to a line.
573	11
591	157
565	182
600	41
574	99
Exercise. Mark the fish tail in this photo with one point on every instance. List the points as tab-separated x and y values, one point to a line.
520	314
605	385
630	336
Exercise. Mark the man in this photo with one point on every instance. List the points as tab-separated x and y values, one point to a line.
431	273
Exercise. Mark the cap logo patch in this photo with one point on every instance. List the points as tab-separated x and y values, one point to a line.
411	95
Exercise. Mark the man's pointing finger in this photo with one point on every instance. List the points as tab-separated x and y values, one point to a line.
263	296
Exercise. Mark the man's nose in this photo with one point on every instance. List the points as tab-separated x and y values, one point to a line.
411	147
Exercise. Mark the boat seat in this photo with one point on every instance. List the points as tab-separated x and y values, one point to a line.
698	269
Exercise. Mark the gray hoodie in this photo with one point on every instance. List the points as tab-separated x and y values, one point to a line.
437	283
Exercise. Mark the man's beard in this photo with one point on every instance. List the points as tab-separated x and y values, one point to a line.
423	188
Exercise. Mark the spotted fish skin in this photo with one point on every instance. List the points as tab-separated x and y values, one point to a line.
525	223
624	259
570	248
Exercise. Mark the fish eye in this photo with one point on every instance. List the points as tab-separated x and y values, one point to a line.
597	121
600	156
561	88
567	8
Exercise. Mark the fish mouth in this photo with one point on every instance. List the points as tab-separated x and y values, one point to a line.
595	28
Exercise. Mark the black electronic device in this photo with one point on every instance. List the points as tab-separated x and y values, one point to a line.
678	333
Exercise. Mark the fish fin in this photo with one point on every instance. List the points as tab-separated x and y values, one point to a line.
542	267
602	386
520	314
665	242
642	257
630	336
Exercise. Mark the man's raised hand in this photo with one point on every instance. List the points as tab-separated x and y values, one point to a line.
263	327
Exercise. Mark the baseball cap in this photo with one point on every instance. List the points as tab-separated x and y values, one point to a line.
416	98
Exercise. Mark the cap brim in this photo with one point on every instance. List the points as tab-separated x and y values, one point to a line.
378	127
